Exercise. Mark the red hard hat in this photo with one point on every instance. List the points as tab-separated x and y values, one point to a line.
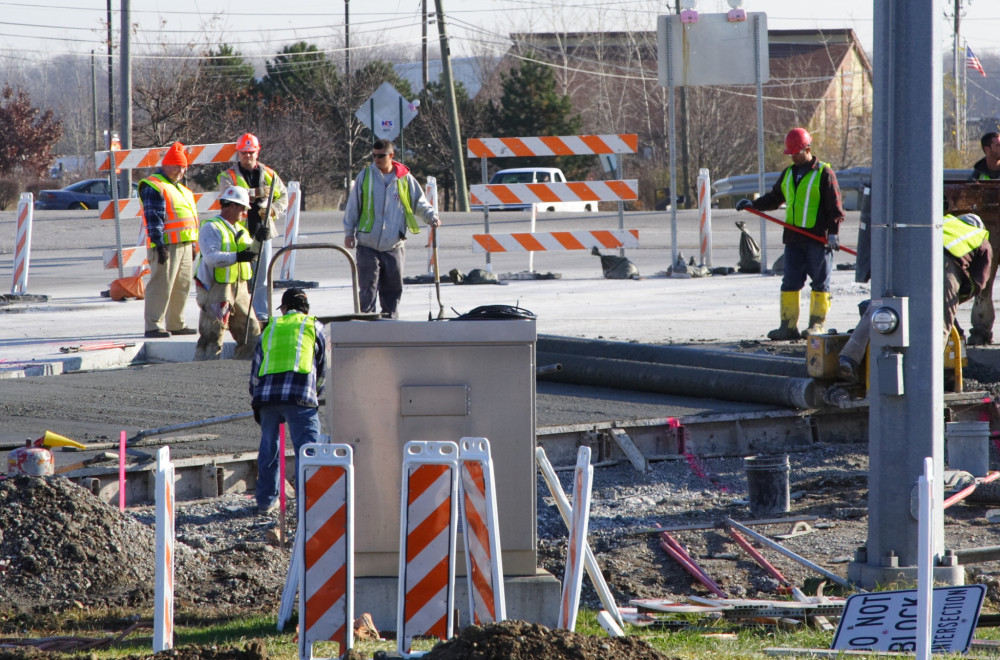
248	142
797	140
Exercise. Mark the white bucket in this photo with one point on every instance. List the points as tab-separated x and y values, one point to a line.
968	447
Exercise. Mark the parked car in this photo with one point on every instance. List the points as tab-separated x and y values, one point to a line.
81	195
536	175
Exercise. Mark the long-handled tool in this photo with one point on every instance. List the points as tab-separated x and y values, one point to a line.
796	229
188	425
256	264
437	273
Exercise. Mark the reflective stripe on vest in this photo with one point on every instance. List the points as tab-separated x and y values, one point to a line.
181	223
239	271
367	218
802	201
289	342
238	180
960	239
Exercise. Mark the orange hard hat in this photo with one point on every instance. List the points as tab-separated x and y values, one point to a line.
797	140
176	155
248	142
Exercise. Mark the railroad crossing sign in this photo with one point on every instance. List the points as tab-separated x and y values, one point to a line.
386	112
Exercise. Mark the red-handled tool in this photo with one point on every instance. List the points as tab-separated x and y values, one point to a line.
796	229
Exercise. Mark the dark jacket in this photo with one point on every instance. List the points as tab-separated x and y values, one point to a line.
831	207
981	172
975	267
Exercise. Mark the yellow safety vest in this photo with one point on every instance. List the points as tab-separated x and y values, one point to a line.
802	201
960	238
289	342
231	242
181	224
267	175
367	218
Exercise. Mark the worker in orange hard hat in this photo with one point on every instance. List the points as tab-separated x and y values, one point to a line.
809	190
258	179
171	216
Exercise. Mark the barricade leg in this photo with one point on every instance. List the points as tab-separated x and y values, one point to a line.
484	565
428	533
573	576
163	610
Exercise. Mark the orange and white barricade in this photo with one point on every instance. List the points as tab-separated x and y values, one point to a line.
563	145
428	532
705	216
163	610
555	240
132	257
492	194
326	554
291	230
481	529
22	243
583	477
197	154
206	202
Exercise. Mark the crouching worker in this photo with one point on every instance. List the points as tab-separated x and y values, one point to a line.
286	380
221	280
967	258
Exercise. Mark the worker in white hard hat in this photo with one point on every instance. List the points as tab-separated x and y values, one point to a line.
967	259
809	190
258	179
221	279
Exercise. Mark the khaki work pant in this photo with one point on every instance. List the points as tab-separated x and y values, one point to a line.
211	327
168	287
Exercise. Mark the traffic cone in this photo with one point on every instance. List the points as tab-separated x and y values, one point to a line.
51	439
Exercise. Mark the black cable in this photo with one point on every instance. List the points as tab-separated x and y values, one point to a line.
496	313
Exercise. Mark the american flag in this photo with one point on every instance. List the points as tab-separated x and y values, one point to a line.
972	62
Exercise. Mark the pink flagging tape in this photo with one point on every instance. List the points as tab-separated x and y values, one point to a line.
558	240
163	614
569	603
198	154
484	565
543	193
564	145
428	532
325	560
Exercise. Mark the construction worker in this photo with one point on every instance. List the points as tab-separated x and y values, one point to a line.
258	179
380	210
968	256
221	279
171	218
286	380
809	190
987	168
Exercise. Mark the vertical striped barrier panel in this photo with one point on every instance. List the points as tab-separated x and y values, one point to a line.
291	230
22	243
481	530
705	216
428	532
326	563
569	604
163	614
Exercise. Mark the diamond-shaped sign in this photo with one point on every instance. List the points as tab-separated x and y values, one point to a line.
388	109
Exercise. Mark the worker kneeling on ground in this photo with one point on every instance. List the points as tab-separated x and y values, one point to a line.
221	280
967	257
286	380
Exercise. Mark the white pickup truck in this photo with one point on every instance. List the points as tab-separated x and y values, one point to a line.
536	175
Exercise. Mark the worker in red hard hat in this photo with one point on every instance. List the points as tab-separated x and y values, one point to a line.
809	190
258	179
171	217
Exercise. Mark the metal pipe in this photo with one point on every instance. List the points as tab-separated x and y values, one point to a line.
977	555
968	490
679	355
757	557
548	369
682	380
188	425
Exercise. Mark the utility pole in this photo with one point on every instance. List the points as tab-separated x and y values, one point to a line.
461	190
956	72
423	40
347	81
111	78
126	95
685	181
93	100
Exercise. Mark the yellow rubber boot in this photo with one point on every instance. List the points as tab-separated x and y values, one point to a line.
789	318
819	305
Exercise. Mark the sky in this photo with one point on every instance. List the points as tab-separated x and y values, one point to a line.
40	29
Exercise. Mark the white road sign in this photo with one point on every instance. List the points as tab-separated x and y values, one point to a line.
388	110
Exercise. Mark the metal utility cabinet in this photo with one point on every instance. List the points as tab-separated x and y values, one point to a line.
390	382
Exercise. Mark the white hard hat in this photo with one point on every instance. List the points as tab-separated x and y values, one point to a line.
972	219
236	195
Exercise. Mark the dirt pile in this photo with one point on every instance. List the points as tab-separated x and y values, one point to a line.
518	640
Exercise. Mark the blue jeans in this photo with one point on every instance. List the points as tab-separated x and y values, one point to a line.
303	427
810	259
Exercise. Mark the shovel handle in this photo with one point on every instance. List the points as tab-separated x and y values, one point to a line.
796	229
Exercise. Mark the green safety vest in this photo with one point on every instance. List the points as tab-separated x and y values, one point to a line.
289	342
960	239
802	201
367	218
231	242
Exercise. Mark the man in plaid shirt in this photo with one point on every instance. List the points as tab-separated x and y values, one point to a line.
286	380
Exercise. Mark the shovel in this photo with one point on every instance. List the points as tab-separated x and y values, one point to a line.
797	229
437	274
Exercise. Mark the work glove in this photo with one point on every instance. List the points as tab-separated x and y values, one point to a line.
245	255
263	232
254	218
743	203
436	222
161	254
263	194
833	242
